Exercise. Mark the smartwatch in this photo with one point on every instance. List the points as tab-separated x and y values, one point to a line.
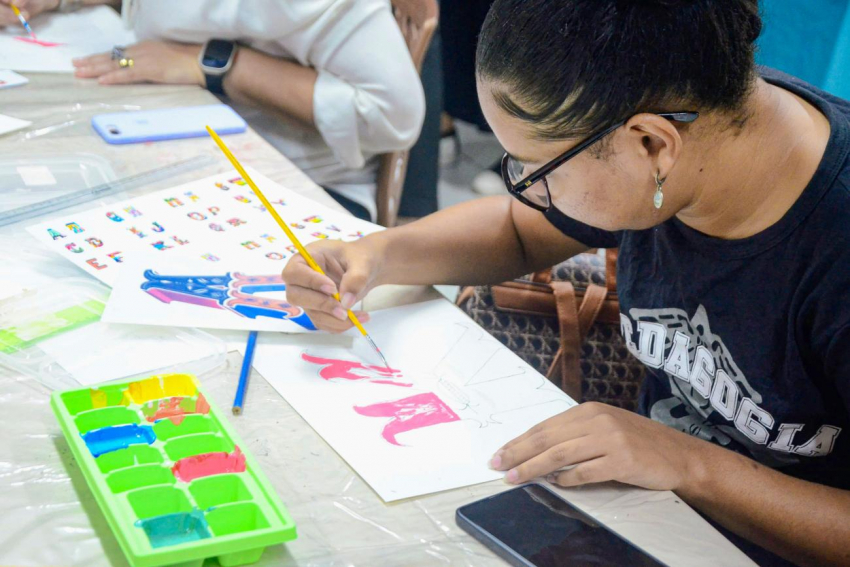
215	59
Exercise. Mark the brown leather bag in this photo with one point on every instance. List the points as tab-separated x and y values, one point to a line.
565	322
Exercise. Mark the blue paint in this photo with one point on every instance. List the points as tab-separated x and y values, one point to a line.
108	439
174	529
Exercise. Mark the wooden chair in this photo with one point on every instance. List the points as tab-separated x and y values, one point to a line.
418	21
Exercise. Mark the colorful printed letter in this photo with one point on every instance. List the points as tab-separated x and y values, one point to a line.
54	235
95	242
73	248
93	263
72	226
174	202
113	217
132	211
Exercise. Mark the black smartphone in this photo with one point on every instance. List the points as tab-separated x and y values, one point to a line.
532	526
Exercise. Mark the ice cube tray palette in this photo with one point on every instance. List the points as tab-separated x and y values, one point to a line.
172	478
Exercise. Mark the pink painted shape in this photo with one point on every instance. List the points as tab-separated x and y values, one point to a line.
415	412
208	464
34	40
347	370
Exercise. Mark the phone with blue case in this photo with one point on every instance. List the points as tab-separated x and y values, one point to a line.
167	124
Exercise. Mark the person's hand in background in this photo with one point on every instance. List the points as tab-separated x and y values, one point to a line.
29	9
153	62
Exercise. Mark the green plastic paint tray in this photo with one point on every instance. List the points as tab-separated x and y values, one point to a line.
169	473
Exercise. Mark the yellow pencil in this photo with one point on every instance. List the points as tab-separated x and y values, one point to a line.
291	235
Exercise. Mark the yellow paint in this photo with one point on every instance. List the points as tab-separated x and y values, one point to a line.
98	399
158	387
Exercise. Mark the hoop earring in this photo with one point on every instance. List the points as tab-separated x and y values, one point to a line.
658	199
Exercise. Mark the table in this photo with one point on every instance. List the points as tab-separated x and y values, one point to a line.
49	517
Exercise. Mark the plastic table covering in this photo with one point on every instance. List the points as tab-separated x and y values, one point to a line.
48	516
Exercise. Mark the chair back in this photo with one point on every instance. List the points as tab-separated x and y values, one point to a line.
417	20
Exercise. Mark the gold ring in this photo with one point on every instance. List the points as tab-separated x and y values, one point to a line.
125	62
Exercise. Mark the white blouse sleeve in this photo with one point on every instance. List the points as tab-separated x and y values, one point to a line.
368	97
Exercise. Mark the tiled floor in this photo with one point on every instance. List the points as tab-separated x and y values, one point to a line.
478	151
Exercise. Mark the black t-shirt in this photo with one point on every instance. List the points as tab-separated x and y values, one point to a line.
747	342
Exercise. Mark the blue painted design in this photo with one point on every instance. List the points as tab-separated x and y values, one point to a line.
174	529
232	291
108	439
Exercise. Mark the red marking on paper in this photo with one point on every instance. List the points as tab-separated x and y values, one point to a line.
349	370
415	412
207	464
37	41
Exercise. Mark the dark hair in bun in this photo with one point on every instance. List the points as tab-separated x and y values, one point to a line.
571	67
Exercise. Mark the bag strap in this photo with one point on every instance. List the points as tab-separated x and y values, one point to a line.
611	269
566	361
594	297
574	325
542	276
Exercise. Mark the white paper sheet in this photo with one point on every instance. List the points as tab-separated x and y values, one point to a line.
88	31
9	79
216	219
9	124
459	396
154	289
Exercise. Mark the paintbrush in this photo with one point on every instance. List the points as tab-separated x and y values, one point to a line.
23	21
291	235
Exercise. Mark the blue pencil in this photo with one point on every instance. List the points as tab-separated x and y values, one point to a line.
246	370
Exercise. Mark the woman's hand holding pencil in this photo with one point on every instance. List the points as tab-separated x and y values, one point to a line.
350	270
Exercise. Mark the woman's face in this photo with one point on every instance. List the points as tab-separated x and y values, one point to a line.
611	192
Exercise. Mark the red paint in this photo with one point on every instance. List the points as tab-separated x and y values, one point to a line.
348	370
208	464
415	412
178	407
37	41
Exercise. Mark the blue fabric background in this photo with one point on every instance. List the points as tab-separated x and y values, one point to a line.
809	39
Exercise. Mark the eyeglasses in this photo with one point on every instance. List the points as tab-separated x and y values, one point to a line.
533	190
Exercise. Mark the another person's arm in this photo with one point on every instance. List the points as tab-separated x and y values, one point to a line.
354	82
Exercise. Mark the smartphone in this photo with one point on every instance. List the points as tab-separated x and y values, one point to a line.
167	124
532	526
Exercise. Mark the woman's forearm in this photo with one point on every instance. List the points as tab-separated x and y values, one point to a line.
278	84
483	241
804	522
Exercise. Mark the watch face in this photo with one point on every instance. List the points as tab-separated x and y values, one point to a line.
217	54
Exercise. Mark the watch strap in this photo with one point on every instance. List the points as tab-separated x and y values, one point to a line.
215	83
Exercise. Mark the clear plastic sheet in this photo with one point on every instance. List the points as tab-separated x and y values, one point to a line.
68	120
49	517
